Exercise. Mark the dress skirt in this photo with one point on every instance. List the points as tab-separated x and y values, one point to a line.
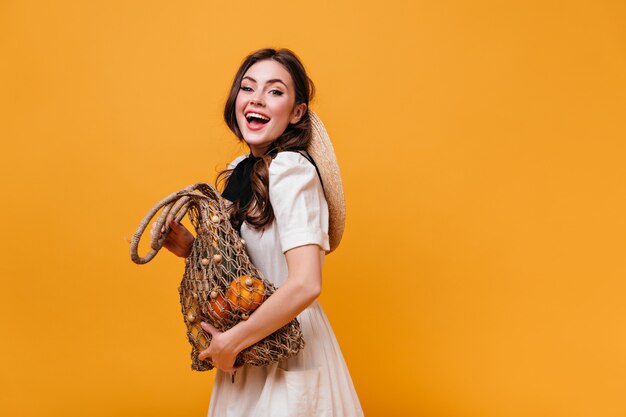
314	383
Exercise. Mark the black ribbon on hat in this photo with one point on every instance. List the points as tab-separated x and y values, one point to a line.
239	187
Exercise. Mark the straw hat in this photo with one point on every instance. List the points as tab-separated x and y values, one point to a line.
322	152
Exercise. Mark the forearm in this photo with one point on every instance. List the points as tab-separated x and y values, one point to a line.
279	309
303	286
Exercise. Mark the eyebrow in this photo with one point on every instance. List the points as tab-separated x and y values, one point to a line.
272	81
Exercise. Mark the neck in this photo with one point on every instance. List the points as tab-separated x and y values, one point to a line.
256	151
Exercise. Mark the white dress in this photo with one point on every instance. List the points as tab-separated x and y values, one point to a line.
316	382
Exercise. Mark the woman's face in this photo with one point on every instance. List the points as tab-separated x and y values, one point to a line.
265	105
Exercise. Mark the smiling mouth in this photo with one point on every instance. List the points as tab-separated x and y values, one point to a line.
256	119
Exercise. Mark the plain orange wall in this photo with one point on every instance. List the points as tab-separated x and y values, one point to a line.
482	151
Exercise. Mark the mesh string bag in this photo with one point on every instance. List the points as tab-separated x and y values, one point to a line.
220	284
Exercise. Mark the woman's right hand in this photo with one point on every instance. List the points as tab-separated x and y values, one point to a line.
178	241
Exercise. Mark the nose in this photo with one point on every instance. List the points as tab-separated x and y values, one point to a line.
256	100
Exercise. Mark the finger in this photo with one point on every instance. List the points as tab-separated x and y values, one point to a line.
204	355
175	225
208	328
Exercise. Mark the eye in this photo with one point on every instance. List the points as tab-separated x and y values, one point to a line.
245	88
276	92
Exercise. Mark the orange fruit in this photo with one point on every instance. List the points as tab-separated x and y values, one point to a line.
218	308
246	293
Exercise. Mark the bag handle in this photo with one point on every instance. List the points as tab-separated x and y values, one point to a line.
176	204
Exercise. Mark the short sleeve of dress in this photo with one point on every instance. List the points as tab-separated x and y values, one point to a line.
297	198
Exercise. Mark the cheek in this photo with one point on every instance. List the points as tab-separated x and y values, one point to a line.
239	104
284	110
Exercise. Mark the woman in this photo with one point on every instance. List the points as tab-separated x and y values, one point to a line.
279	206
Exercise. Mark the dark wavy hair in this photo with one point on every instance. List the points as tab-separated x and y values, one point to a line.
296	137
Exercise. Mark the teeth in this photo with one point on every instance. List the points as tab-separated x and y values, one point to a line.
257	115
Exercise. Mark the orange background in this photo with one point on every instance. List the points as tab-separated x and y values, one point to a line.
482	151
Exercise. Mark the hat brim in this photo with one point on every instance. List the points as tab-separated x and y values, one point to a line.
322	151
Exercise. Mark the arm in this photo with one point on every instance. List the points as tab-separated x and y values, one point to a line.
303	286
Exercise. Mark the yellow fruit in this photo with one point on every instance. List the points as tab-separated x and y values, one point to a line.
246	293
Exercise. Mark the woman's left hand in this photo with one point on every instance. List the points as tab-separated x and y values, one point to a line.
218	352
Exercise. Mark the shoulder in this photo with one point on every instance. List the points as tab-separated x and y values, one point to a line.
292	176
298	201
291	163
